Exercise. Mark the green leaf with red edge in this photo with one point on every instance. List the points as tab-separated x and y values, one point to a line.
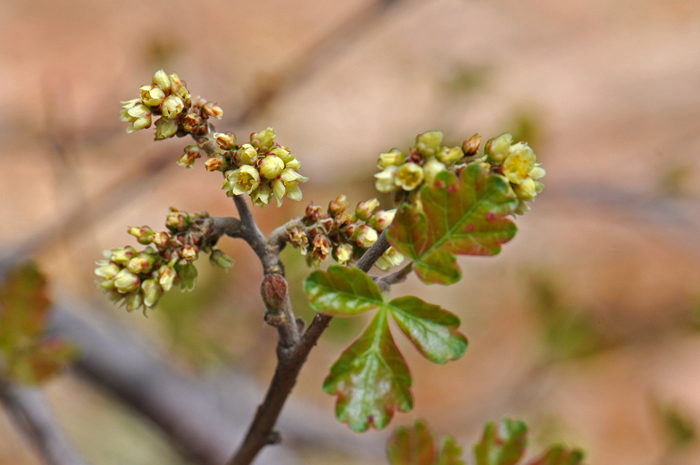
559	455
417	445
431	329
342	291
464	216
502	444
25	356
370	379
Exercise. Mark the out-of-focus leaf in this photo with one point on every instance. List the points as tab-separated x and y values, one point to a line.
559	455
413	445
24	308
431	329
678	426
502	444
342	291
465	215
417	445
370	379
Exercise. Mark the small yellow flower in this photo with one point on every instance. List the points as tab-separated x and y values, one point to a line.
165	128
152	292
138	114
152	95
393	158
261	195
172	107
166	276
247	154
409	176
449	156
125	281
343	253
243	180
385	179
432	168
367	237
106	269
161	79
264	139
291	180
390	258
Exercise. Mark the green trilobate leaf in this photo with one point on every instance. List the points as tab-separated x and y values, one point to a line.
559	455
371	379
502	444
417	445
464	216
342	291
431	329
24	310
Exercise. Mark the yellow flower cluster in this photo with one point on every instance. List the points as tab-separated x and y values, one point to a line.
166	97
138	279
404	172
518	164
265	170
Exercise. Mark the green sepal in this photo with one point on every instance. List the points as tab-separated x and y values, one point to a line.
464	216
502	444
431	329
370	379
342	291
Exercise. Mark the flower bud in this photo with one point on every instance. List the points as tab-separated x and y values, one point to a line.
106	269
264	139
382	219
247	154
471	146
166	276
340	204
139	115
152	292
177	220
105	285
152	95
432	168
162	80
226	141
366	237
519	163
364	209
390	258
143	234
125	281
393	158
343	253
449	156
122	256
172	107
220	259
496	149
165	128
142	263
428	143
386	179
409	176
271	166
189	253
133	301
283	153
187	275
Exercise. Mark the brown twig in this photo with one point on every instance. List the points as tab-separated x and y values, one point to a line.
289	365
33	417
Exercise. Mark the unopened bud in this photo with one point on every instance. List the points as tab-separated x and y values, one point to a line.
382	219
393	158
247	154
122	256
143	234
432	168
366	237
449	156
343	253
428	143
133	301
152	292
142	263
220	259
497	148
106	269
160	239
271	166
166	276
364	209
471	145
162	81
125	281
340	204
165	128
177	220
264	139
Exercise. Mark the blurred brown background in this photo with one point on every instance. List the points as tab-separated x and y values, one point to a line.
586	325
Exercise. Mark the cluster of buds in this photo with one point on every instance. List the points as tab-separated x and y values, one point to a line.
262	168
138	279
403	173
342	235
167	97
518	164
